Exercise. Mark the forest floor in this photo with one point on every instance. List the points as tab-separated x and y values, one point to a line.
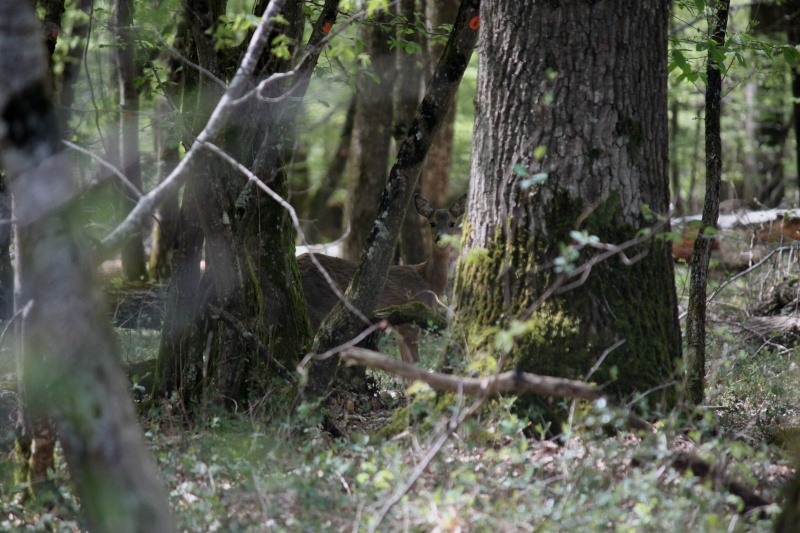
256	471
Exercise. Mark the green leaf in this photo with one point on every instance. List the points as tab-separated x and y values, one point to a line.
521	170
791	55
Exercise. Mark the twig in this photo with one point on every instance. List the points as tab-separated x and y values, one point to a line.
739	275
455	421
342	347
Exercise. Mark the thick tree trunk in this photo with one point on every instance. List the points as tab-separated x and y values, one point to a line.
70	367
134	262
794	39
371	139
251	268
789	520
695	357
582	100
179	367
365	287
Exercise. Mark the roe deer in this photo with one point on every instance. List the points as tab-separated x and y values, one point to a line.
424	282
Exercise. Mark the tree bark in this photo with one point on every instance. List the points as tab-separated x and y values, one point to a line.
70	366
324	218
371	138
789	519
251	268
134	262
168	141
695	357
365	287
411	74
6	266
556	104
674	172
436	170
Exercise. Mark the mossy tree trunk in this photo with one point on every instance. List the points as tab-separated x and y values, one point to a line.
577	91
251	271
70	368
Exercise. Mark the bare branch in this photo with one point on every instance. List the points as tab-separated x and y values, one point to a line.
114	170
511	381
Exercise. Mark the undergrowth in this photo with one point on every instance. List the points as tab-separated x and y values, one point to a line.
252	472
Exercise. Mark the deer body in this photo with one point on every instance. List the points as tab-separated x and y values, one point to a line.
424	282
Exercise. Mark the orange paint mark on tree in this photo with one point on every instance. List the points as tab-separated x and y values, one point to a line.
475	23
326	27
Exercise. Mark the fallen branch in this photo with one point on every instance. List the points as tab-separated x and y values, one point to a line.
511	381
546	386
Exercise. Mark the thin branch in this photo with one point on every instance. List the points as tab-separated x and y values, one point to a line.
183	59
510	381
114	170
739	275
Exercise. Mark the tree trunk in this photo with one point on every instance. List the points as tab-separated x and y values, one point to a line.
69	364
435	174
371	138
695	357
794	40
436	170
674	172
407	93
324	218
789	519
365	288
6	267
134	262
167	141
558	102
251	270
179	367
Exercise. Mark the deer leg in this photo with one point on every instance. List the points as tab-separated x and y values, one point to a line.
408	340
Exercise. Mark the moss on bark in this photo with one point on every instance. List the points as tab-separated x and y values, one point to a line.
567	334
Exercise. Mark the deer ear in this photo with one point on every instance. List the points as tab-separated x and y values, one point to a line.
423	206
458	207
